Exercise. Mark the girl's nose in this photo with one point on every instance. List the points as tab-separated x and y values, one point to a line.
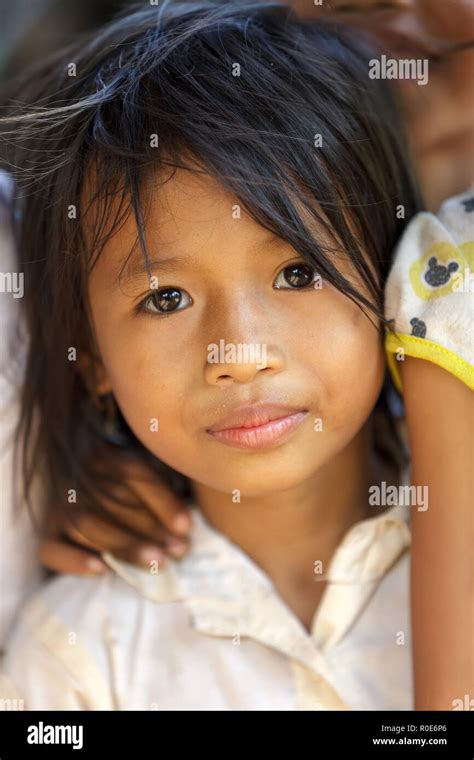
229	363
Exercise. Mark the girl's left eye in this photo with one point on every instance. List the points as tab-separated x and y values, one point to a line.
296	276
165	301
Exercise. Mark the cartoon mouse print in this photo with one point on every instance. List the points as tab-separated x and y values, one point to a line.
437	274
418	327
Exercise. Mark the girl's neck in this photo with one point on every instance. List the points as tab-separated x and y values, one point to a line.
285	533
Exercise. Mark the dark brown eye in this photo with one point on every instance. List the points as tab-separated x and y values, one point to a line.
166	301
295	276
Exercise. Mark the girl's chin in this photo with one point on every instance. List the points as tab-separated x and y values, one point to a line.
258	485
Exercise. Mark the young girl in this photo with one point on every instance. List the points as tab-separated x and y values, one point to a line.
210	197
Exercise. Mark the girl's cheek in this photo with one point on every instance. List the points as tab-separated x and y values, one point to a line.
150	383
351	362
342	332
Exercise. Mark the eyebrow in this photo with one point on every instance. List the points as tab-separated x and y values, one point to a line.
137	270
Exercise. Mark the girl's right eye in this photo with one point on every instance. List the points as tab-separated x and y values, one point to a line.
165	301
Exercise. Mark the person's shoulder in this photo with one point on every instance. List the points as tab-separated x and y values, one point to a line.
88	605
74	602
71	613
57	652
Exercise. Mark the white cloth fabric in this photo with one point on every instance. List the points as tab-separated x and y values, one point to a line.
20	570
210	633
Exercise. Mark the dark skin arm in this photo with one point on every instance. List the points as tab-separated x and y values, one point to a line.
440	416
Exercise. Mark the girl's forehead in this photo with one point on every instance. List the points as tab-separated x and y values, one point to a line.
173	206
189	222
186	198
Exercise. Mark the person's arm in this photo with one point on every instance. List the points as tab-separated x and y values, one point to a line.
440	415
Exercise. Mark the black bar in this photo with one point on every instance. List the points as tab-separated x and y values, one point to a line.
138	734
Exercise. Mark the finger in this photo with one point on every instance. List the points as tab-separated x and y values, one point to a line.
143	555
157	498
171	512
145	524
61	557
99	534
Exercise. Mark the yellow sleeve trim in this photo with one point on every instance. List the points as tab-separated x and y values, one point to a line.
420	348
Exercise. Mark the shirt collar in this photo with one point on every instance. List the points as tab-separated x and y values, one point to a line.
227	594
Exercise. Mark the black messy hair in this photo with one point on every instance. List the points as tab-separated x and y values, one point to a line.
238	90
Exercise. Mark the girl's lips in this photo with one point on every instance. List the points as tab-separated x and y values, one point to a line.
261	436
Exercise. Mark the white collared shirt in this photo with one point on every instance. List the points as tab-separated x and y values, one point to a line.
210	632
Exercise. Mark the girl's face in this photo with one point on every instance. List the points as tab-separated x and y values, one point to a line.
221	281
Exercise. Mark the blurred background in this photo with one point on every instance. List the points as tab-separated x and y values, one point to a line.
30	29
